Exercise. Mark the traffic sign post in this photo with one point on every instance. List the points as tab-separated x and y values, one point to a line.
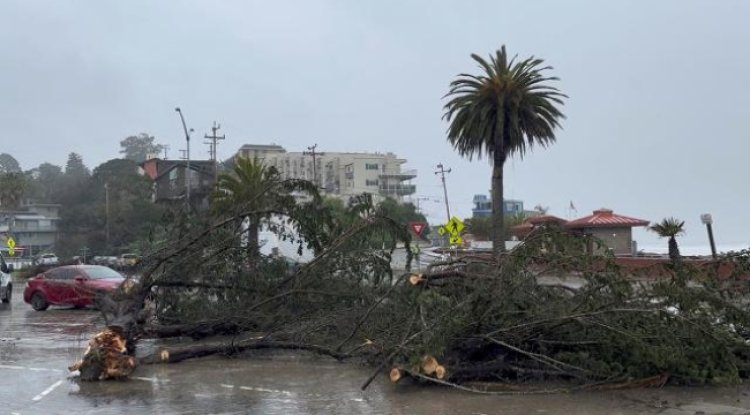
418	228
453	229
11	247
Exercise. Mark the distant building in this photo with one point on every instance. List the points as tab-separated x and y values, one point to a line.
615	231
170	184
339	175
34	227
483	206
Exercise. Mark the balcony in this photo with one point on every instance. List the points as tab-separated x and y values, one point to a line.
400	175
398	189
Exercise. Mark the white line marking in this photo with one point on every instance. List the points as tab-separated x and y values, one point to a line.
223	385
41	369
250	388
12	367
48	390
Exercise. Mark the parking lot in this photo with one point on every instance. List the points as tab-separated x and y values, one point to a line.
37	347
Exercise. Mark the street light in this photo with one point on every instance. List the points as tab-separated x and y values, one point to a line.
708	221
187	170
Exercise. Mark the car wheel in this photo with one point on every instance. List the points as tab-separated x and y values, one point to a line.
8	293
38	302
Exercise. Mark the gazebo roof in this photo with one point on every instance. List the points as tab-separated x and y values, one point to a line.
605	218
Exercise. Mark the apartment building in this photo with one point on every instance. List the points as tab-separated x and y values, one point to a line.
340	174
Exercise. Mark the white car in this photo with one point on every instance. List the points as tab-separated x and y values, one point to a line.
48	259
6	285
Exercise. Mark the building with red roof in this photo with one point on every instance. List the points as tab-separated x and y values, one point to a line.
615	231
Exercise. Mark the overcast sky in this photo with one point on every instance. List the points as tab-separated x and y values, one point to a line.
656	121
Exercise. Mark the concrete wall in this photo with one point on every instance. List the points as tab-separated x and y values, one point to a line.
618	239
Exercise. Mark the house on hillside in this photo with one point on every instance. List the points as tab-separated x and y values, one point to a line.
170	179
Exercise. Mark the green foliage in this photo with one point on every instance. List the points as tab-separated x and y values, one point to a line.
8	164
481	227
138	147
507	109
670	228
84	214
12	189
255	193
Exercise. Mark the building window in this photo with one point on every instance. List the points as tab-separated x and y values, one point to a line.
371	182
371	166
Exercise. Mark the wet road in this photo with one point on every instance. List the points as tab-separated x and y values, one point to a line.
37	347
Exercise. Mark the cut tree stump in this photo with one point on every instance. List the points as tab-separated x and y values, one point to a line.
429	365
440	372
395	375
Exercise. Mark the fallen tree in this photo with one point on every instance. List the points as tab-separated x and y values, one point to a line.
467	320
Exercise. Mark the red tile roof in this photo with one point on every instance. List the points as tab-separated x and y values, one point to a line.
605	218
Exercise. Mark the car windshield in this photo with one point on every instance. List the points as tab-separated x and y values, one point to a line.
102	273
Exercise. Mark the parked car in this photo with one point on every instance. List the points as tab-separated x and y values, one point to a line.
48	259
6	284
128	260
75	285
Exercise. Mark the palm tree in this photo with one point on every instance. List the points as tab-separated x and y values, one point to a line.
505	110
253	192
670	228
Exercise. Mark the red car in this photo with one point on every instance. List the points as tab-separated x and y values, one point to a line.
74	285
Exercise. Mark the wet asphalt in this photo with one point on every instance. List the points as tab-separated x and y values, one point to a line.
37	347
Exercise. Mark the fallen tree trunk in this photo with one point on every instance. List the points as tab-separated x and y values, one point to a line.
180	353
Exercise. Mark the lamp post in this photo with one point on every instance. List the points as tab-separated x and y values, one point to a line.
187	170
708	221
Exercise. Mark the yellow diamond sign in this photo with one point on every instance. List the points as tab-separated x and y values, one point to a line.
11	246
456	240
455	226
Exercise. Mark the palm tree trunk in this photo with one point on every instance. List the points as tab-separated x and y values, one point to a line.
498	211
253	249
674	250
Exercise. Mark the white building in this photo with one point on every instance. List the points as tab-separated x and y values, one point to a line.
339	174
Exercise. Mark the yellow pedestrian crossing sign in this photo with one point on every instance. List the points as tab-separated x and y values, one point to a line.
11	246
455	226
456	240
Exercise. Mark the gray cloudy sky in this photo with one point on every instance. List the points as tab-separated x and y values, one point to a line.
657	115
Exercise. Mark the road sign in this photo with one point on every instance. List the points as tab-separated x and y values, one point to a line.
455	226
418	227
442	231
11	247
456	240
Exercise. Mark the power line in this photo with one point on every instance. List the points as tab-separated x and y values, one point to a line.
442	172
315	164
212	147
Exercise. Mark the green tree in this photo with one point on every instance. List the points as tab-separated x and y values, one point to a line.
255	193
12	190
481	227
131	214
8	164
139	147
506	110
670	228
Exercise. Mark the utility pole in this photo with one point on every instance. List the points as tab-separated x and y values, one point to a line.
315	165
187	170
166	148
442	172
214	138
106	210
